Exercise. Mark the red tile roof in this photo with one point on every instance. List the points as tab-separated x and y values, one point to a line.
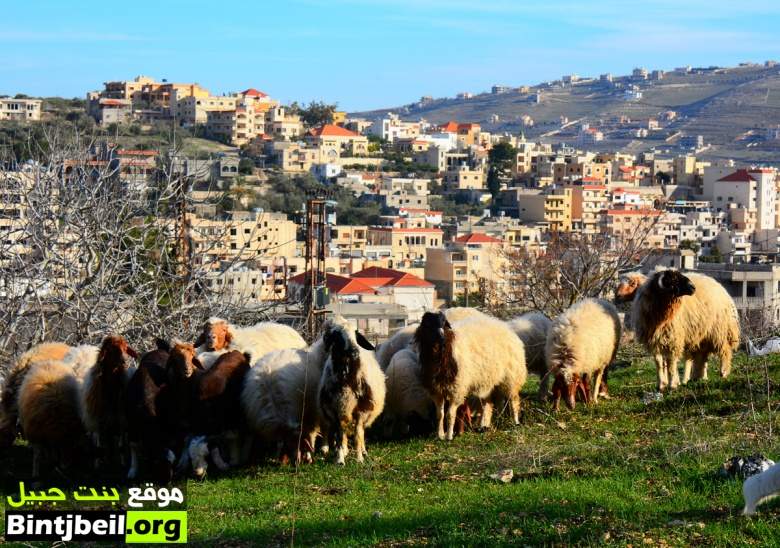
393	229
252	92
330	130
477	238
376	276
338	285
739	176
643	212
591	180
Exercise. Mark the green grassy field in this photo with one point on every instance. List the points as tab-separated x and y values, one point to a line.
621	472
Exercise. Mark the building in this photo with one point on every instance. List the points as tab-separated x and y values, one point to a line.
408	246
392	127
588	203
20	110
466	265
339	139
755	289
749	198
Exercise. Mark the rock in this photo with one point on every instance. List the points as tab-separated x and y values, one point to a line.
651	397
503	476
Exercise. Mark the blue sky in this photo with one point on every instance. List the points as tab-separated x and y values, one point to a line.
368	54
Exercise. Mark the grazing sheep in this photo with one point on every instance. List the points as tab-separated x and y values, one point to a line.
479	357
759	488
146	408
459	313
102	393
280	399
49	412
256	340
351	390
406	399
582	341
400	340
9	409
532	328
688	317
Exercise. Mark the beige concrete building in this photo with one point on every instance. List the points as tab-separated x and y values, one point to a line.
338	139
464	178
407	245
588	203
20	110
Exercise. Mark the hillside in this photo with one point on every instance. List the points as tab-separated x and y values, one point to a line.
730	108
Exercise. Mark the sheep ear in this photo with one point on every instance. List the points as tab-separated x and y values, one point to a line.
132	353
228	337
363	342
200	341
661	280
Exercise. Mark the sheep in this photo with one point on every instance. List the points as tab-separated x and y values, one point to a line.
147	404
478	357
459	313
582	341
256	340
49	411
102	393
351	390
759	488
279	399
9	409
532	328
689	316
81	359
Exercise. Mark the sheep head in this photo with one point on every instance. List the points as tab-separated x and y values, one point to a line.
672	284
216	335
344	352
628	284
434	338
114	356
183	360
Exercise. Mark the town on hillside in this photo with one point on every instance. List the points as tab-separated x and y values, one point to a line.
307	209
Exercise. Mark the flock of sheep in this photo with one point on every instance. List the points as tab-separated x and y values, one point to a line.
184	406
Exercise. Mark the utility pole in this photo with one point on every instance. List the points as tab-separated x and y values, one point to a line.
316	223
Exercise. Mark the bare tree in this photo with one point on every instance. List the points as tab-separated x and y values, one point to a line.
84	250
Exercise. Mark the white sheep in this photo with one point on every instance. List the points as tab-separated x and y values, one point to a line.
406	397
351	391
687	317
479	356
257	340
532	328
279	398
759	488
581	343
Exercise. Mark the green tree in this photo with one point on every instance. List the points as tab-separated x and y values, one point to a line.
246	166
502	155
316	113
493	181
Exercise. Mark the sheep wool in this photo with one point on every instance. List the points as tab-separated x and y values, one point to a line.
406	395
583	341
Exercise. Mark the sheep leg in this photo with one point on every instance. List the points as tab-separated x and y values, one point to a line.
544	384
660	369
515	400
674	373
595	389
452	412
687	370
725	362
216	458
341	443
360	440
487	415
440	418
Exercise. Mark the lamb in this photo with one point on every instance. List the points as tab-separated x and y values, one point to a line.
279	399
759	488
9	409
479	357
219	335
49	411
532	328
102	393
406	399
351	390
685	316
581	342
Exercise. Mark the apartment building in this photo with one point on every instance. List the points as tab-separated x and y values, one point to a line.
20	110
468	261
246	235
338	139
749	197
755	289
464	178
638	224
551	209
348	240
391	127
580	169
588	203
408	246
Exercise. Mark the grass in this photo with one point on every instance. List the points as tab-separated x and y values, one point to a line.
617	473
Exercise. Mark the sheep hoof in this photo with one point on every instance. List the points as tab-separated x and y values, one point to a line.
442	436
